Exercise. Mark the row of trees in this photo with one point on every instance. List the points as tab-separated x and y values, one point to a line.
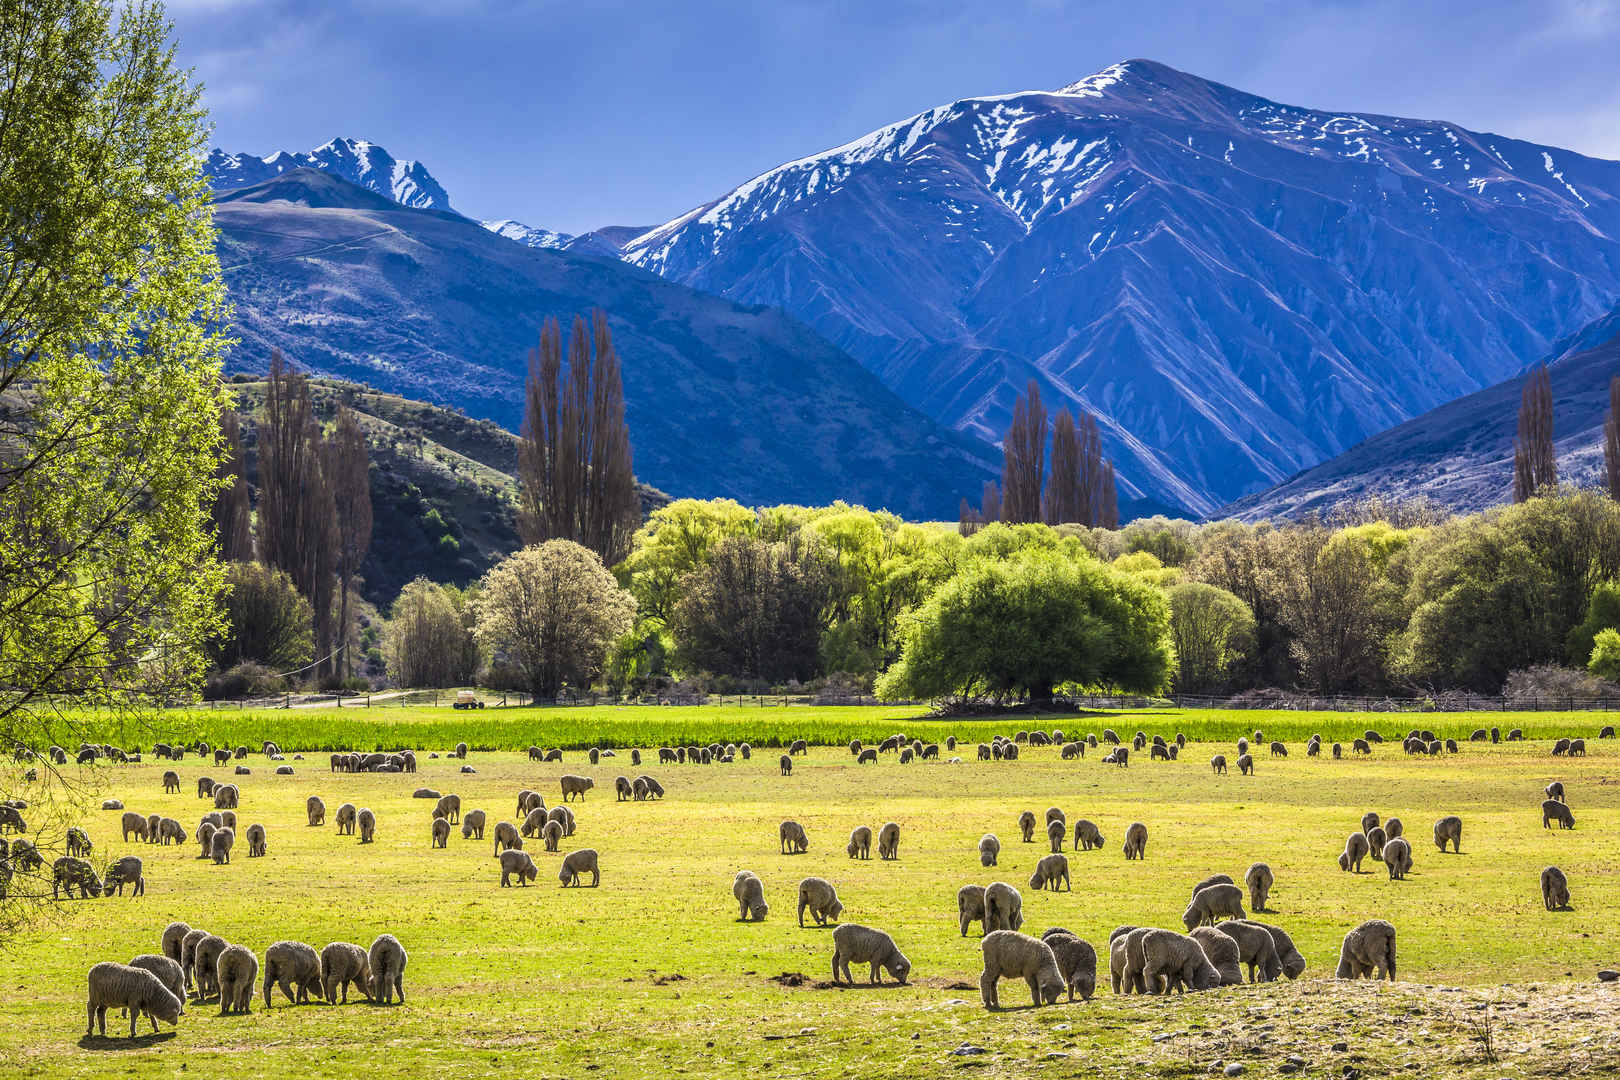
1076	488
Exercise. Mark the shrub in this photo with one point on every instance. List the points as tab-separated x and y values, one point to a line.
245	680
1551	683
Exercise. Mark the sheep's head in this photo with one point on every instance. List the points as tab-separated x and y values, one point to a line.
1052	987
898	966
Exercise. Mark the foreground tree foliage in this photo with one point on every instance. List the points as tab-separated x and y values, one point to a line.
110	341
552	611
1025	625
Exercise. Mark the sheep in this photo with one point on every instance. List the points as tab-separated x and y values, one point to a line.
655	790
989	849
564	817
220	844
1049	871
536	821
857	944
860	842
1361	746
296	968
228	819
1212	902
970	907
24	855
1242	745
1178	961
1245	764
1398	858
792	838
1070	751
441	833
889	842
205	961
1278	750
188	956
345	819
529	801
68	873
622	788
459	752
1338	751
1076	961
1369	821
205	837
449	808
1259	879
1577	748
1355	849
174	935
1257	948
1086	835
226	797
749	892
1368	950
133	988
1393	828
519	862
1118	961
1056	833
78	841
168	973
342	964
1213	879
984	752
1553	810
1136	841
126	871
255	839
1554	889
867	757
1448	830
205	787
799	746
551	834
1217	764
1003	907
1026	826
506	836
574	865
575	787
367	822
1560	747
1554	791
1010	954
387	960
112	804
315	810
818	896
1376	839
472	825
171	782
133	823
1223	954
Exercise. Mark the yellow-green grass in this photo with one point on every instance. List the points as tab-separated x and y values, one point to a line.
652	974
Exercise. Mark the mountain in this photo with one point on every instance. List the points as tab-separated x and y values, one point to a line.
528	234
361	163
1461	454
722	399
1237	288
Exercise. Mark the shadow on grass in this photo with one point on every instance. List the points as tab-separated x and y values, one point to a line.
139	1042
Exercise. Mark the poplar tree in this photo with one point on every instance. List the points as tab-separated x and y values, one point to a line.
1535	462
1024	459
233	512
350	470
1611	440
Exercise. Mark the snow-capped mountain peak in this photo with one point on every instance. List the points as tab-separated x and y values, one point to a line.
527	234
356	160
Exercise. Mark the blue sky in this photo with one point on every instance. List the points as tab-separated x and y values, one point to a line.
570	115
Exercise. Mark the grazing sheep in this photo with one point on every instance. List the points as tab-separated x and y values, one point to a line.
367	821
1222	952
315	809
188	956
345	819
1393	828
387	962
529	801
228	819
441	832
655	790
1076	961
112	804
219	846
68	874
170	831
125	871
132	988
792	838
227	797
564	817
205	965
1356	848
1010	954
296	968
133	823
1213	902
552	835
1338	751
152	823
989	849
1278	750
1554	889
1086	835
449	808
786	763
1217	764
1376	839
1577	748
799	746
573	786
1245	764
1398	858
1242	745
1136	841
1448	830
1003	907
1259	879
623	789
1515	735
1173	961
574	865
167	971
1560	747
519	862
506	836
1049	871
1554	791
867	757
1213	879
1369	821
342	964
1553	810
1118	961
857	944
536	821
1361	746
174	936
818	896
889	842
460	752
970	907
78	842
1026	826
1368	950
472	825
860	843
171	783
750	894
255	839
639	791
1257	948
1070	751
1056	833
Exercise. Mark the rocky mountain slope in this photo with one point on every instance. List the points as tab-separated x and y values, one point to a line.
359	162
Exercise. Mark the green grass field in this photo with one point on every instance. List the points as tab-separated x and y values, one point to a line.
652	974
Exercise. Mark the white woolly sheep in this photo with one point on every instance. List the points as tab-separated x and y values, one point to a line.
1049	872
345	819
1086	835
133	988
889	841
441	833
132	823
552	835
1136	841
1173	961
860	842
857	944
167	971
563	816
574	866
296	968
1257	948
1448	830
792	838
315	810
387	962
1076	961
970	907
1010	954
1554	889
367	821
575	787
1212	903
188	957
516	861
449	807
472	825
1259	879
1026	826
1398	858
343	964
1056	833
749	893
817	896
1003	907
506	836
256	841
536	821
174	936
1222	952
205	961
1368	950
989	849
219	846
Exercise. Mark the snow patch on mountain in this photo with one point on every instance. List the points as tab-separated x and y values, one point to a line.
527	234
360	162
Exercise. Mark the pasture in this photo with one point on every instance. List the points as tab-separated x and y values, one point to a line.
653	974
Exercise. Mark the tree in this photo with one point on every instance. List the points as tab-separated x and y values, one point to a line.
1611	440
1061	501
297	515
1024	459
755	610
574	460
1020	627
430	639
350	472
553	611
111	335
267	620
1329	597
1080	485
1602	613
1211	629
1535	462
1605	661
233	514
